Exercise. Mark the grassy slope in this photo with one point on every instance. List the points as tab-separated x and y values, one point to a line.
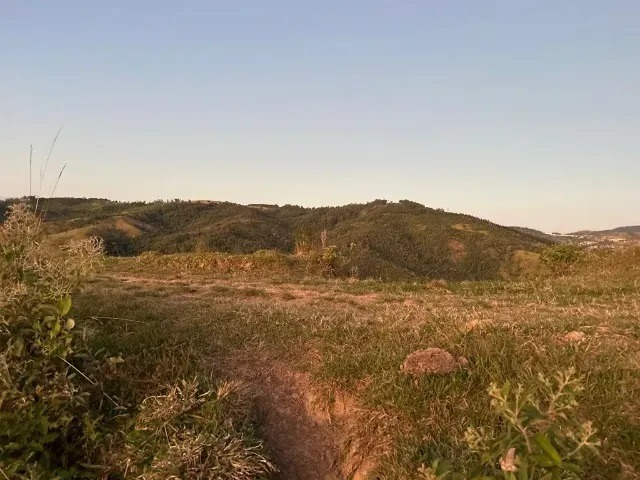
379	239
352	337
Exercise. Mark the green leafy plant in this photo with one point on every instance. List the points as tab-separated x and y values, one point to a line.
45	428
537	437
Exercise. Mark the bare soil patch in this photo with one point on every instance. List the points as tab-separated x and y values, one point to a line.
458	250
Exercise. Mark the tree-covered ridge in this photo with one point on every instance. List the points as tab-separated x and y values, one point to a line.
378	239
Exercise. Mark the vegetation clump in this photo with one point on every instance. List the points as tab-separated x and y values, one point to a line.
538	434
45	423
559	258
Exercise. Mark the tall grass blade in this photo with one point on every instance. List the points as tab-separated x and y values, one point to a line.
30	168
55	185
46	163
43	170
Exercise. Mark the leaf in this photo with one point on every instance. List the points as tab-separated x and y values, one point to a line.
531	412
55	330
17	346
543	442
504	391
523	469
542	461
64	305
50	437
440	467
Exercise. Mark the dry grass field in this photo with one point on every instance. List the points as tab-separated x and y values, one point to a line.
318	360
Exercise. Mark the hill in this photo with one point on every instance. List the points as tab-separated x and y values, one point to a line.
630	229
615	237
379	239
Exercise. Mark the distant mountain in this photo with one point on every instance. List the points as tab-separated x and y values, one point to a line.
379	239
631	229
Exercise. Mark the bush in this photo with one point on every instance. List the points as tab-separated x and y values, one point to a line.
559	258
45	427
329	260
537	437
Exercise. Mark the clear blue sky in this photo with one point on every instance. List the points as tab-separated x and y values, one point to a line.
522	112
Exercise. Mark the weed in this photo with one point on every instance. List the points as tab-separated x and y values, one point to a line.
538	434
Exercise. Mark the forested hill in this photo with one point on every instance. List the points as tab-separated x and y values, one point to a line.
379	239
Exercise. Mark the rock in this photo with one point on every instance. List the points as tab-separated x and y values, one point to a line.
430	361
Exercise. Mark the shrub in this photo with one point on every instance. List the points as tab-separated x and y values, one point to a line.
559	258
329	260
537	437
45	429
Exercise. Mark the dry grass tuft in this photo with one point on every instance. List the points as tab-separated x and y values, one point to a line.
190	434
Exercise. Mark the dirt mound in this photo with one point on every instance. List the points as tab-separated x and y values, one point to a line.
431	361
574	337
308	437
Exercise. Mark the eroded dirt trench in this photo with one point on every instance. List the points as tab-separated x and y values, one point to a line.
311	431
308	437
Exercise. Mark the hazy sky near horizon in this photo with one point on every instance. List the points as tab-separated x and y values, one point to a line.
521	112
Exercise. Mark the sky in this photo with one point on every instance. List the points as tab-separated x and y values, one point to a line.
520	112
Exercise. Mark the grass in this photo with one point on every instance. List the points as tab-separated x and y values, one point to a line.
350	338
